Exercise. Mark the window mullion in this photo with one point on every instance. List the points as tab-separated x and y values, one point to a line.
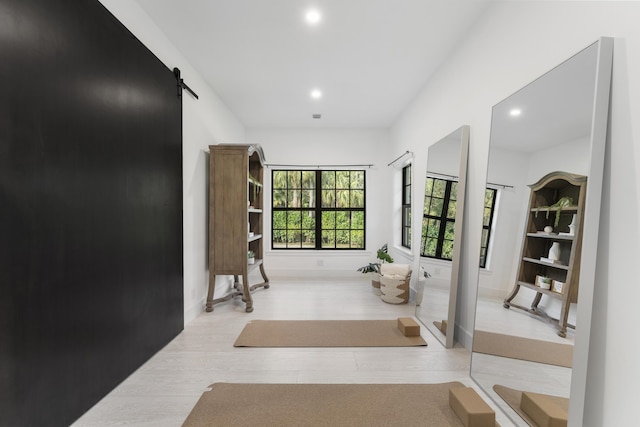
443	219
318	209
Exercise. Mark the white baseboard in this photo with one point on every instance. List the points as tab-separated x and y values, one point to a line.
315	273
463	337
194	311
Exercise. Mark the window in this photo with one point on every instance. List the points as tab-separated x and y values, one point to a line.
438	221
318	209
487	220
438	218
406	206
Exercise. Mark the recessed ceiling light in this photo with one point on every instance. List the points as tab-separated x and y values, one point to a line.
515	112
312	17
316	94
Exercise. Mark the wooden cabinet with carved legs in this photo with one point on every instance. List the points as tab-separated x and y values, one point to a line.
550	259
235	219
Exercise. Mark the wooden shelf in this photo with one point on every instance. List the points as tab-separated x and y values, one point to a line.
230	216
550	209
540	290
551	236
536	245
547	264
256	264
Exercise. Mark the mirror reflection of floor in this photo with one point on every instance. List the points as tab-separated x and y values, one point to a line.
492	316
434	306
488	370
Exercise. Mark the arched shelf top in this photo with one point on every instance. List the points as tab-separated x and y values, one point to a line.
547	180
252	149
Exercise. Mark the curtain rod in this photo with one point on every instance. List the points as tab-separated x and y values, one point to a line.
438	175
272	165
400	156
499	185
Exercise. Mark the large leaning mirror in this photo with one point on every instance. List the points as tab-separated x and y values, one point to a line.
544	183
440	246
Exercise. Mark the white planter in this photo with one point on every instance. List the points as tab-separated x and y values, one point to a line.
394	288
422	281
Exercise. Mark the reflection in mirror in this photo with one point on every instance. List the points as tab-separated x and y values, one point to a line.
545	165
442	233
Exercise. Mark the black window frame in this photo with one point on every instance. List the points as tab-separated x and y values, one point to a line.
444	220
318	209
487	226
405	230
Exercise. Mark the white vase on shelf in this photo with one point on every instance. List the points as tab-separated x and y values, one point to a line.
572	226
554	252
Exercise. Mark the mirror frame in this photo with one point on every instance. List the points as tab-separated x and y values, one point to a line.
597	145
448	339
599	126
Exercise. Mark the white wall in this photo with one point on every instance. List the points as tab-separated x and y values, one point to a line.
205	121
314	147
515	43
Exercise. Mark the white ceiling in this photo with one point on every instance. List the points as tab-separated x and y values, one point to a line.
369	57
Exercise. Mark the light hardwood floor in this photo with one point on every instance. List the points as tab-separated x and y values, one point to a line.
164	390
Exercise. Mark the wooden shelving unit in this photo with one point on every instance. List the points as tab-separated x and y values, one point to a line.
536	244
235	219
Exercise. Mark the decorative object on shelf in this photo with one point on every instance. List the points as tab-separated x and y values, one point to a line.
572	227
251	257
548	229
374	267
561	203
554	252
543	282
557	286
255	187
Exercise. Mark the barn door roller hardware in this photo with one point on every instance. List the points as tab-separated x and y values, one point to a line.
182	84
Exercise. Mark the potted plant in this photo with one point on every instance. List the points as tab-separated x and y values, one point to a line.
374	267
251	257
543	282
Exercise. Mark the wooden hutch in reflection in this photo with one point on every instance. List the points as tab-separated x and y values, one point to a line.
552	257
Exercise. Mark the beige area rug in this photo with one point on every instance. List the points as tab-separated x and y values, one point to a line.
310	405
513	398
325	333
522	348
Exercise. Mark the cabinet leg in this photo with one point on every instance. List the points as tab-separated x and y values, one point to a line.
264	277
536	301
563	320
246	294
210	292
512	295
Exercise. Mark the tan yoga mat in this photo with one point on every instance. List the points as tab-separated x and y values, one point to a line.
522	348
310	405
513	398
325	333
